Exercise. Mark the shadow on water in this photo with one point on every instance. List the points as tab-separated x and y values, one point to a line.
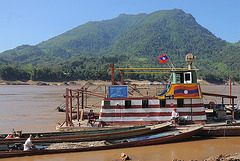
198	138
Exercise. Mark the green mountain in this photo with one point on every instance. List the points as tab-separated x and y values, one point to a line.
24	54
130	41
237	43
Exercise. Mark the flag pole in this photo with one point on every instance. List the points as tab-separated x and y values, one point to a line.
171	63
164	59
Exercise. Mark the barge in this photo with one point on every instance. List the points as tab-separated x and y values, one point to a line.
120	107
183	93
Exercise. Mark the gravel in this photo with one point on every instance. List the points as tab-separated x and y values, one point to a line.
77	145
224	157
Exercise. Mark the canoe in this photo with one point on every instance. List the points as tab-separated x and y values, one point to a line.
226	123
220	131
228	128
167	137
100	134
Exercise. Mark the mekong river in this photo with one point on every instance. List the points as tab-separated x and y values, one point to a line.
32	109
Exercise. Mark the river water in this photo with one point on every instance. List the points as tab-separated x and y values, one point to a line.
32	109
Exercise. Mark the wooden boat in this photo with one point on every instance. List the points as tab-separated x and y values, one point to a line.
171	136
220	131
228	128
97	134
226	123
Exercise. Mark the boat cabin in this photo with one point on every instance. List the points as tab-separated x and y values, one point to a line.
183	93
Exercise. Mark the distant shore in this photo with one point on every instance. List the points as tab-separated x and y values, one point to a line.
42	83
97	82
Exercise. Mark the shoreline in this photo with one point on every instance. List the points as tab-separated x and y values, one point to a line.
96	82
43	83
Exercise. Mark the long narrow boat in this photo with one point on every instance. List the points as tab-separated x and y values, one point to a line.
231	128
226	123
220	131
100	134
159	138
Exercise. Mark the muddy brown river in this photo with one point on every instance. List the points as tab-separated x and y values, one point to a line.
32	109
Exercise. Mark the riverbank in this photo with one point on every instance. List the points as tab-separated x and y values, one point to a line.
225	157
41	83
96	82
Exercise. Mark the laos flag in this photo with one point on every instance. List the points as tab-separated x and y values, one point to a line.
186	91
163	58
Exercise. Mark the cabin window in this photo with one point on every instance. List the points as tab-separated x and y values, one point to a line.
127	103
144	103
163	103
107	104
187	77
180	102
179	78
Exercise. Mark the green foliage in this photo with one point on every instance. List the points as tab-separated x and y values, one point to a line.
128	41
11	73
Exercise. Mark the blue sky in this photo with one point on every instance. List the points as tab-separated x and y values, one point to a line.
33	21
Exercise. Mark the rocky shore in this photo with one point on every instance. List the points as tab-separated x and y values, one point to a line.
224	157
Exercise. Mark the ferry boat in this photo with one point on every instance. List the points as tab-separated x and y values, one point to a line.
183	93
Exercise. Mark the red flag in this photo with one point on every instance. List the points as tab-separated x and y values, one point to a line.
163	58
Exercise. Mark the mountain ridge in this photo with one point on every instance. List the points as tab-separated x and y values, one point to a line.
141	38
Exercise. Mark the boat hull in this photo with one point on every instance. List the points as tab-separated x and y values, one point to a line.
93	135
114	112
220	131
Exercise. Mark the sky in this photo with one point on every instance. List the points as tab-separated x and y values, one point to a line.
33	21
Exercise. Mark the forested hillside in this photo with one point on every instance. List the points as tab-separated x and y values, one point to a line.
129	41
